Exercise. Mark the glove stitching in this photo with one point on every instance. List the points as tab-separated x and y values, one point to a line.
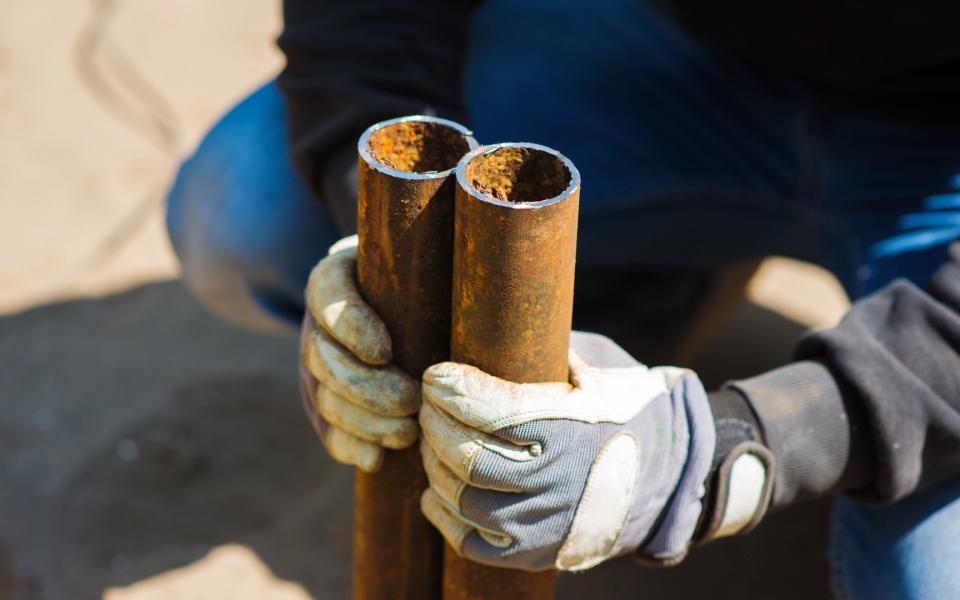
466	463
458	514
587	494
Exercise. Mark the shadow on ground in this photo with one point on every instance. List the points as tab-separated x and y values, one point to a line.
137	433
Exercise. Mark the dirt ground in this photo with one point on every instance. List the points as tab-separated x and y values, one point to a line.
149	451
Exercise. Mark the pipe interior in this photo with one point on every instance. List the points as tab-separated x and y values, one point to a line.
418	147
518	174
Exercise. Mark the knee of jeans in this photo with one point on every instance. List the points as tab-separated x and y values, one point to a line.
244	226
215	265
246	244
906	550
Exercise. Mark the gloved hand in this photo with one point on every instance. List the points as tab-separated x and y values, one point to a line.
358	403
565	476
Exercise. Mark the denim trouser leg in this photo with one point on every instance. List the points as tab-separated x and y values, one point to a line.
908	550
244	226
688	161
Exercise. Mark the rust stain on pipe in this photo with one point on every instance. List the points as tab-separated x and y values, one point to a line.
405	223
515	237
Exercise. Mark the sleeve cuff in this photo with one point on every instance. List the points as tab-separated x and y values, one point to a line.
809	428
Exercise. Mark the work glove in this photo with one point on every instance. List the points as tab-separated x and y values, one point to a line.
566	475
357	401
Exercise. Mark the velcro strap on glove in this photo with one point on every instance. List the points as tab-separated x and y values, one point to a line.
742	491
740	485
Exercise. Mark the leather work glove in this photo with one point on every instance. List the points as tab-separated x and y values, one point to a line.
565	476
358	403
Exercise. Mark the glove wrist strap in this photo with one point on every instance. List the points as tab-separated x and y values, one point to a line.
740	484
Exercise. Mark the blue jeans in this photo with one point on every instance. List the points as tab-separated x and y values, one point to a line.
243	224
688	159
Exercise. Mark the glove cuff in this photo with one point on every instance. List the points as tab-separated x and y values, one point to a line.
682	515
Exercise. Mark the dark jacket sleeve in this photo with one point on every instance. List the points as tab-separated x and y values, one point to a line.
871	406
351	63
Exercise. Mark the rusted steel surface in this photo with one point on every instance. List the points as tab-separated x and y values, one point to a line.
515	232
465	580
405	222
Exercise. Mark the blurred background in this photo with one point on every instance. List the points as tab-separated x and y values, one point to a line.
146	449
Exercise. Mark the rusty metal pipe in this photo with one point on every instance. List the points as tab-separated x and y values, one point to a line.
515	237
405	223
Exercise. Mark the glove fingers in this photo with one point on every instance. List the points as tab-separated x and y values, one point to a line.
351	450
455	528
336	304
390	432
485	402
475	457
340	445
481	540
489	510
386	391
443	481
450	488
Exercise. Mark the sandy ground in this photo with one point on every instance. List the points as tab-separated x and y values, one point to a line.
147	450
150	451
82	167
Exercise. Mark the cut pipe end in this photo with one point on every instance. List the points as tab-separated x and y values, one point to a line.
417	147
521	175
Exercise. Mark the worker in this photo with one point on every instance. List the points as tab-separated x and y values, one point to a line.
705	134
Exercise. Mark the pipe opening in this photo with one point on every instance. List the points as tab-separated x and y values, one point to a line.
518	174
418	146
